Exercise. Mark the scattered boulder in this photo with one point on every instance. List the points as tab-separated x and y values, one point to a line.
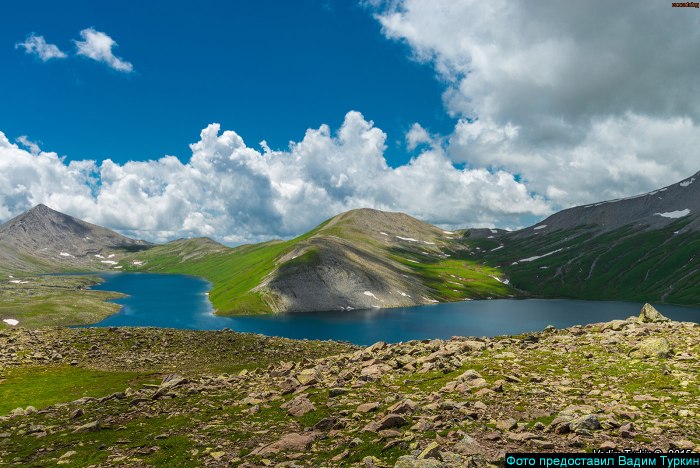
655	347
309	377
585	424
506	424
403	406
650	315
367	407
410	461
292	441
431	451
93	426
299	406
375	371
387	422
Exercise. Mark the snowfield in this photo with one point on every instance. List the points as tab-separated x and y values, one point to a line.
537	257
674	214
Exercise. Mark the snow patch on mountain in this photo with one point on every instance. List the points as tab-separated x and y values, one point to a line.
674	214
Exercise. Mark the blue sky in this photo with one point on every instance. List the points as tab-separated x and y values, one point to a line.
458	112
267	69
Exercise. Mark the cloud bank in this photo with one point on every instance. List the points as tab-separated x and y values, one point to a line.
585	101
235	193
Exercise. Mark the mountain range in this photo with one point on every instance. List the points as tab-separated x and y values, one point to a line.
639	248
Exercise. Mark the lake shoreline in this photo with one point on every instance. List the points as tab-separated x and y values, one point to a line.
152	300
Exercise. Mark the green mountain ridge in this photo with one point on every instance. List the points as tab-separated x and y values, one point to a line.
359	259
641	248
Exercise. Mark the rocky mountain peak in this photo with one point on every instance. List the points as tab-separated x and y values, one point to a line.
56	237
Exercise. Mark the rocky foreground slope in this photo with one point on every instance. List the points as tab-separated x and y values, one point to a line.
462	402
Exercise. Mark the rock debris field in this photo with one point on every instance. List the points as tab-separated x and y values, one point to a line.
228	399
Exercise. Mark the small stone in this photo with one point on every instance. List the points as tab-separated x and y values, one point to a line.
367	407
325	424
334	392
387	422
681	445
292	441
288	385
585	424
410	461
217	455
431	451
341	456
93	426
308	377
392	420
404	406
77	413
627	430
542	444
608	445
68	454
299	406
507	424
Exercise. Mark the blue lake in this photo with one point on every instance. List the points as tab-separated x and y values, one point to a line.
179	301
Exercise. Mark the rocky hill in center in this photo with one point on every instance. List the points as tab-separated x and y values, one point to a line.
359	259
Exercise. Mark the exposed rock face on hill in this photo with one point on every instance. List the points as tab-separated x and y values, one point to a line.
459	402
48	239
358	260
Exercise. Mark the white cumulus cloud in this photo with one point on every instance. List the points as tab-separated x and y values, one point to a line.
416	136
585	100
98	46
38	46
235	193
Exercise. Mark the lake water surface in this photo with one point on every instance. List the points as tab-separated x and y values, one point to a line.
180	301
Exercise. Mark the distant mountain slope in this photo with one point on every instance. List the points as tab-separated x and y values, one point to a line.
43	239
649	211
359	259
639	248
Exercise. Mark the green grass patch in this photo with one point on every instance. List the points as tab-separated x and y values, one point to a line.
55	301
44	386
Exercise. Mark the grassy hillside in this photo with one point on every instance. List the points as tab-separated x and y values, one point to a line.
233	272
37	301
252	278
659	265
